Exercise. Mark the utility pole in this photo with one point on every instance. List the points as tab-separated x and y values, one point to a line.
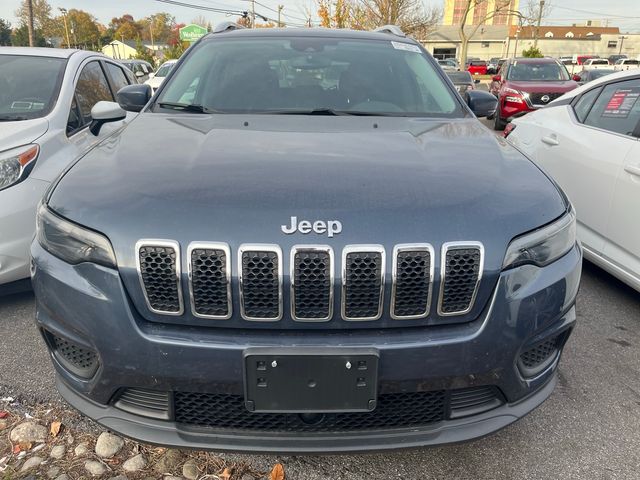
280	7
63	11
30	22
621	37
253	14
535	40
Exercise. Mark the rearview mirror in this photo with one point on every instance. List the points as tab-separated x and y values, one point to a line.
105	112
496	78
481	103
133	98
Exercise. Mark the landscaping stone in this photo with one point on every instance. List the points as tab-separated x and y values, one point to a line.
29	432
53	472
81	450
95	468
190	469
119	477
32	462
58	452
64	476
169	462
135	464
108	445
4	423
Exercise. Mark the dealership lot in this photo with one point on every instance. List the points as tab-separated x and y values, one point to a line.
587	429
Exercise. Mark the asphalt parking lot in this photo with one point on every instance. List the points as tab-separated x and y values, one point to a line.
589	428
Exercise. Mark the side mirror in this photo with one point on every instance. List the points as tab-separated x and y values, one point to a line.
105	112
496	78
152	74
576	78
481	103
139	74
133	98
477	80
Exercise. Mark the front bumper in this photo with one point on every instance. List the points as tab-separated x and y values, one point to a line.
88	305
17	226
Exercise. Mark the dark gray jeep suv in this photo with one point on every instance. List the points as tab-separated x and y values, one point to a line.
305	242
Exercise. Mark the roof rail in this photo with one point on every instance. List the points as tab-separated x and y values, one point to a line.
392	29
226	27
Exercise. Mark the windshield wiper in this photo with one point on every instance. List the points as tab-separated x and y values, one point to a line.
328	111
187	107
12	119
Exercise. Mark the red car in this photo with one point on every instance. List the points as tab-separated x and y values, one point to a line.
526	84
477	67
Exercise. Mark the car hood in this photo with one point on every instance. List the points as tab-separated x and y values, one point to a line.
542	87
238	179
15	134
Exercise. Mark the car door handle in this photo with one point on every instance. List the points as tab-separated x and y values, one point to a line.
550	140
632	169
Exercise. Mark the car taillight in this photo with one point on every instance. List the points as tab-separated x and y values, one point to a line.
508	129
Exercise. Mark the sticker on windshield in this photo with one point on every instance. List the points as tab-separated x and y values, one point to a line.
407	47
621	102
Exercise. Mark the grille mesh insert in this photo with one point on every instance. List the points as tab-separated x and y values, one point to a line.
209	282
540	353
80	360
158	271
363	285
225	411
140	401
462	270
312	284
413	272
260	284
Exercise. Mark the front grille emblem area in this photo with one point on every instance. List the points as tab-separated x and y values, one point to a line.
311	280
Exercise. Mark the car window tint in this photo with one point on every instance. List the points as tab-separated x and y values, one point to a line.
584	104
117	76
617	109
74	121
92	87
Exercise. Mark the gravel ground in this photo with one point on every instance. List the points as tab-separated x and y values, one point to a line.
589	428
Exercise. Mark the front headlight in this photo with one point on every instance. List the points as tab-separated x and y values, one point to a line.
543	246
70	242
15	164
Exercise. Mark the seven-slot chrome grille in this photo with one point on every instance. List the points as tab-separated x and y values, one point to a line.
312	269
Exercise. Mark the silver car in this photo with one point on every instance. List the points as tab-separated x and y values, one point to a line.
46	98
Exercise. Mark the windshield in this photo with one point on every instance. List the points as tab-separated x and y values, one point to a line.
460	77
600	73
308	75
164	70
29	86
537	72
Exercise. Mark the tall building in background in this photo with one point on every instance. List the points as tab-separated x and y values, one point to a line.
454	9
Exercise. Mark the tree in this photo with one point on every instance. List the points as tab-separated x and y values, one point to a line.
86	32
502	7
531	11
200	20
41	16
125	28
5	33
532	52
158	25
143	53
20	37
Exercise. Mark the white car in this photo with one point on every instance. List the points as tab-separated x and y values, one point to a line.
595	64
588	140
626	64
46	101
156	79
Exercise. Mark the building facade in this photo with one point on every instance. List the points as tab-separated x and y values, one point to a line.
487	12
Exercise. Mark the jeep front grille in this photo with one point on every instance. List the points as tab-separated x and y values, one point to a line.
159	273
260	282
311	285
412	278
461	271
362	282
210	280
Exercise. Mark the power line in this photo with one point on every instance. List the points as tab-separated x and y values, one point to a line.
593	13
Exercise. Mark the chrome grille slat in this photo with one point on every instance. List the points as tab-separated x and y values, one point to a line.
260	278
158	265
412	276
209	267
311	280
363	268
462	264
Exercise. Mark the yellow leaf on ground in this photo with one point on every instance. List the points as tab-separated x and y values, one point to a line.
55	428
277	472
226	474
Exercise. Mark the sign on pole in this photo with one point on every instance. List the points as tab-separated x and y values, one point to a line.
191	33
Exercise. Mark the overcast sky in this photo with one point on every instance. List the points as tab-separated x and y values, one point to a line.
622	13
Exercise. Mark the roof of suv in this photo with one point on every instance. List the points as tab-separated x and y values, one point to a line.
309	32
533	60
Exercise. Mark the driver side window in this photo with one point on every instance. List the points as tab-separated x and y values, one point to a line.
92	87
